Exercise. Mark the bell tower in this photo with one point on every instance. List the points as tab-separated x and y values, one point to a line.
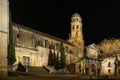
76	26
76	36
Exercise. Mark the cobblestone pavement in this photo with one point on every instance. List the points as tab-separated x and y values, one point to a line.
41	77
24	76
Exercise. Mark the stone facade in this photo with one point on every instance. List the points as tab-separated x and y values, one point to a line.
76	35
4	25
76	38
117	67
92	63
97	65
32	47
108	66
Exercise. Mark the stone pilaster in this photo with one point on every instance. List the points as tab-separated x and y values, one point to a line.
4	26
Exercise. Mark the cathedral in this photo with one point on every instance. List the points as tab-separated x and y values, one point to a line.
32	48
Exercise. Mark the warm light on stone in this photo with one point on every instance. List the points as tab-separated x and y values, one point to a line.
108	66
4	25
26	45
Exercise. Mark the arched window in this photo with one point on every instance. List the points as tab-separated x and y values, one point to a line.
77	26
77	33
37	43
79	66
57	46
47	44
18	35
52	46
109	64
73	27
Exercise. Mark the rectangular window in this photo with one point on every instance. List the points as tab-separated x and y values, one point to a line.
109	64
52	46
70	51
46	44
77	26
26	60
18	35
73	27
66	48
109	70
79	67
58	46
119	71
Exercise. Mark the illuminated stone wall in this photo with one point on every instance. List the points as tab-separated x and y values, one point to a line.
76	35
4	25
92	51
36	45
108	66
80	67
92	64
31	43
76	38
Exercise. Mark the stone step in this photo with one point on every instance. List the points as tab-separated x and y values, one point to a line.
38	70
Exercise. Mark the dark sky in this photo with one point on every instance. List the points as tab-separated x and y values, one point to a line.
100	17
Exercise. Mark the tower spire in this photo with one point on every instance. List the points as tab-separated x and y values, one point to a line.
76	35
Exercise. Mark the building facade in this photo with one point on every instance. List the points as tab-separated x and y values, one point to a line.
101	65
76	38
4	32
32	48
92	62
108	66
76	35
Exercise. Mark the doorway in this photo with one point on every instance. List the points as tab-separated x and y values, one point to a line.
26	61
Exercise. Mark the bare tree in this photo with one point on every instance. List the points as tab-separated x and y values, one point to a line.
109	46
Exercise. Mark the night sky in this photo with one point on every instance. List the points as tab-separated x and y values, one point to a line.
100	17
